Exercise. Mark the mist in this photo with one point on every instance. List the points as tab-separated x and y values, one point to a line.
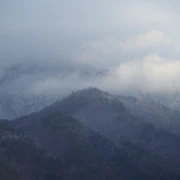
132	44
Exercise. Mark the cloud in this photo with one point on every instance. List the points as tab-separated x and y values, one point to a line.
146	40
153	74
110	51
58	85
101	53
62	85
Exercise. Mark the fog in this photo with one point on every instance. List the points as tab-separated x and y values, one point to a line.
135	42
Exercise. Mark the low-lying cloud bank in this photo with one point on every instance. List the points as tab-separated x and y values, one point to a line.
152	74
125	67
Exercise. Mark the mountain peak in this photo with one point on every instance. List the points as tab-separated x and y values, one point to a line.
92	92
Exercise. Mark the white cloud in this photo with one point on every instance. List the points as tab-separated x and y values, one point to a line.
101	53
147	40
110	51
151	74
62	85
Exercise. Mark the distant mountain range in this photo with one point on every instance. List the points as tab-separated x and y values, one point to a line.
53	145
88	134
109	116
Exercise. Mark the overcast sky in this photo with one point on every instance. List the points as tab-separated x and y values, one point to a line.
137	40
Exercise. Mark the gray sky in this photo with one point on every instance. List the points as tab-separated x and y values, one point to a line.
138	41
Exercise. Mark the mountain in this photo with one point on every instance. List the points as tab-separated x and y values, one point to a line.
106	114
54	144
85	154
148	109
21	159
